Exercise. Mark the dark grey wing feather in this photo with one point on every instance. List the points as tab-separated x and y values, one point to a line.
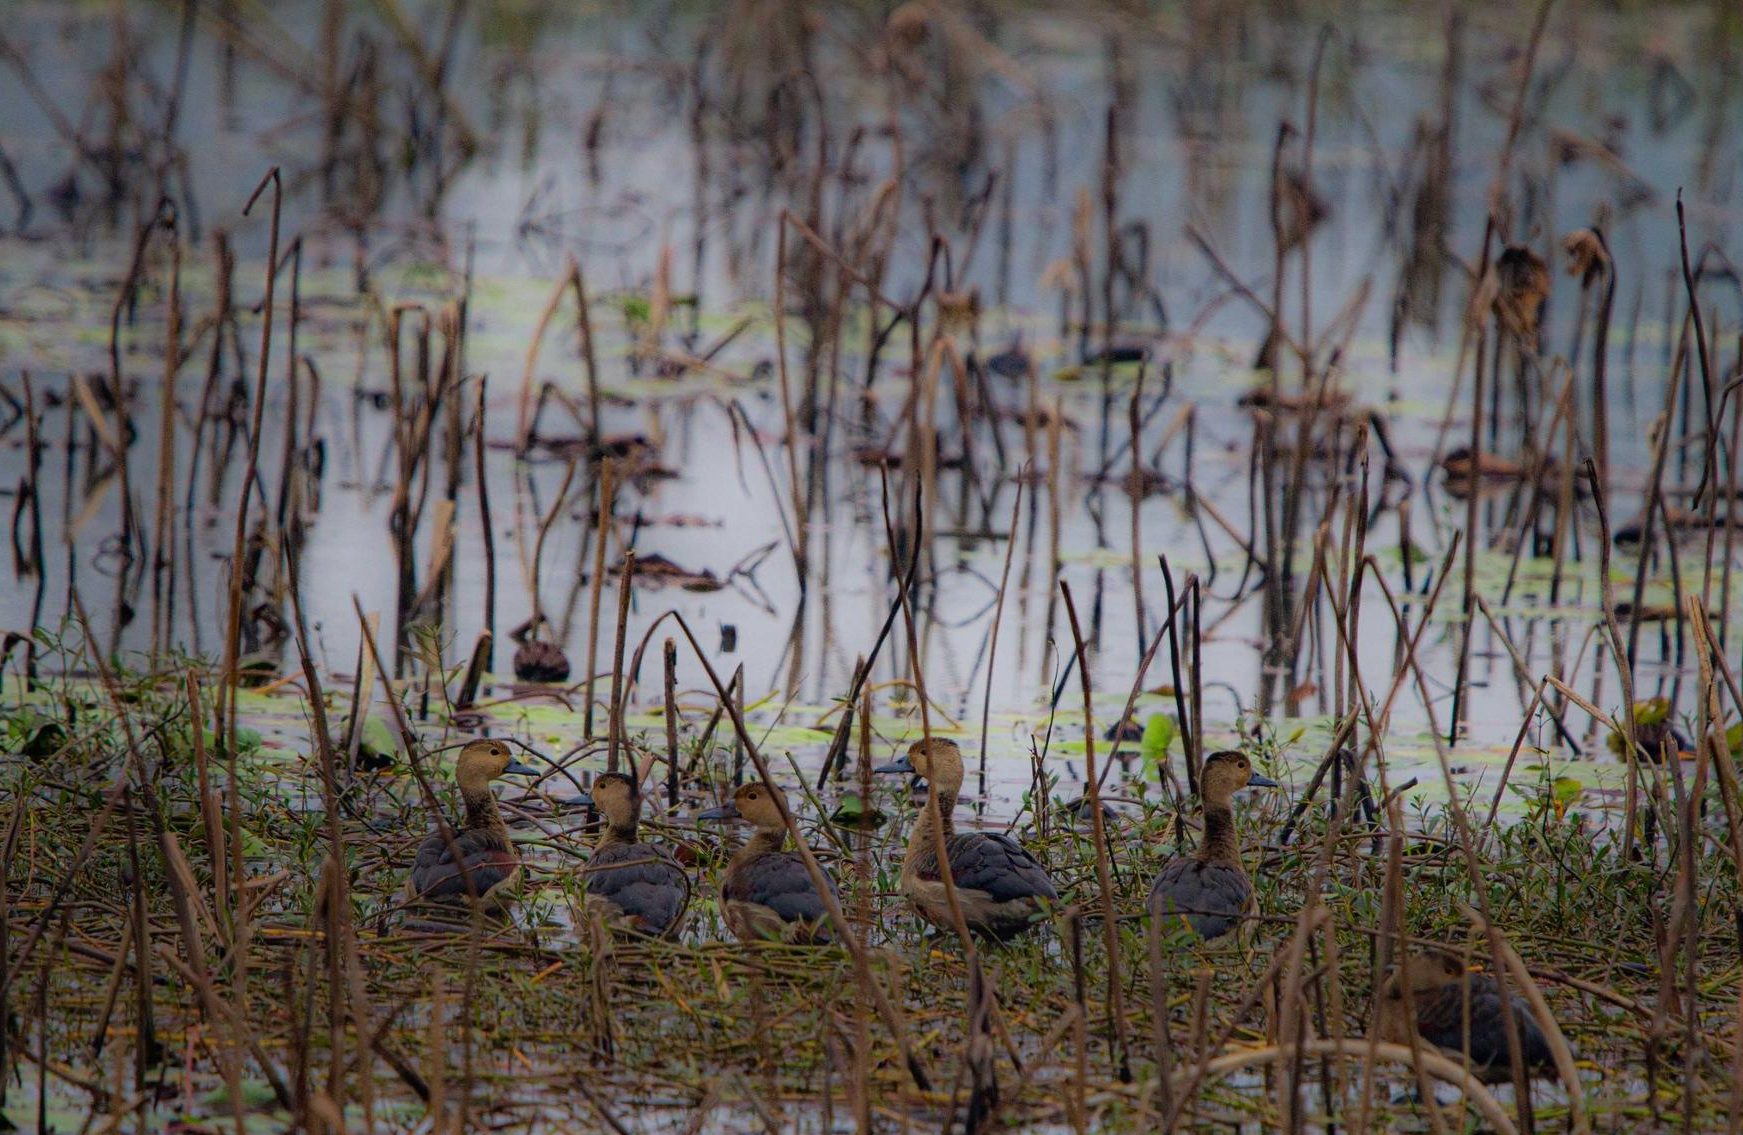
1211	896
1441	1021
994	863
489	860
643	881
781	883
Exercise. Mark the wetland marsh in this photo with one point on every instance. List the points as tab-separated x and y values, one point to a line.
718	392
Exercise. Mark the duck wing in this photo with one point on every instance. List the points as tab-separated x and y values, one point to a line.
436	874
1441	1017
643	882
1210	896
781	883
993	863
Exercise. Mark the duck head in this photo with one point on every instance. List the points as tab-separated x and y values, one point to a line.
618	798
1422	973
936	760
1226	773
755	803
482	761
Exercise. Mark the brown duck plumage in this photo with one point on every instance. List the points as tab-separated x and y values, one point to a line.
767	893
479	861
1459	1012
637	886
1211	890
1002	889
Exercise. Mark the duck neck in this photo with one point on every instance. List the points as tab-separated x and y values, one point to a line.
921	842
764	841
1220	844
618	829
481	810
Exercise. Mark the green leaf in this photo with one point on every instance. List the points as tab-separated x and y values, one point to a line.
1159	733
1654	711
378	739
855	812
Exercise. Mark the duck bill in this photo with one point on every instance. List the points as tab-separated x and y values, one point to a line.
518	769
900	765
1257	781
727	811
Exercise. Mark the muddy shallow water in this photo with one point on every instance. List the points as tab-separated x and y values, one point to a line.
659	149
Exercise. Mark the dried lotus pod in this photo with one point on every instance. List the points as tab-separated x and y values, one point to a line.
1587	254
1524	286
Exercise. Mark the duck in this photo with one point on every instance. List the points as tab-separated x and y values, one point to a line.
1210	891
478	861
637	886
1002	889
1444	996
767	894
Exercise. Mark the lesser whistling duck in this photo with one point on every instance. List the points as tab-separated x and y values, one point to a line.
492	869
1459	1012
636	885
1211	891
767	893
1001	888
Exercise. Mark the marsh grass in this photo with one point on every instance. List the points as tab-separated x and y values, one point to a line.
501	1022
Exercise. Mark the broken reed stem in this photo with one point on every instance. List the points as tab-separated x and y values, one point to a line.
550	518
486	532
795	485
163	542
1098	829
619	689
225	723
1491	227
837	917
992	653
607	502
670	655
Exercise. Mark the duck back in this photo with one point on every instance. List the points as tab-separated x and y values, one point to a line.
491	863
1211	897
641	884
1000	886
1441	1017
772	896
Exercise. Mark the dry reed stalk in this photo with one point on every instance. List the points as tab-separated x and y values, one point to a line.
670	655
607	486
524	422
1624	665
116	442
163	543
838	919
1098	829
619	689
535	588
225	718
211	810
800	529
1478	313
486	531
